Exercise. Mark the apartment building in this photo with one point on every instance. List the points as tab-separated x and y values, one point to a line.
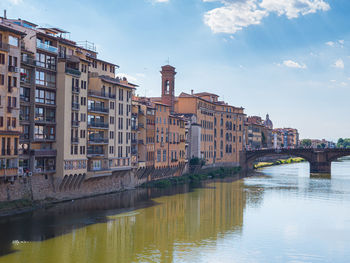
85	128
221	137
138	135
10	55
143	131
177	145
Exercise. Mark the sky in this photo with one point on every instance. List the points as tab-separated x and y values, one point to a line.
287	58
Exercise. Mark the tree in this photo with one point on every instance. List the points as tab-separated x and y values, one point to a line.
305	143
343	143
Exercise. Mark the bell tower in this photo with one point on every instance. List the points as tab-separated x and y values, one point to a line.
168	85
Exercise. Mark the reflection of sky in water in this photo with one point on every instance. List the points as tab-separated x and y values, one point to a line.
281	215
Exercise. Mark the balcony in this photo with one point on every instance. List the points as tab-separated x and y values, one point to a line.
98	109
9	109
75	123
28	61
49	120
4	47
98	125
73	71
74	140
46	47
141	125
75	90
101	94
98	140
95	152
140	142
75	106
44	152
134	127
133	141
13	69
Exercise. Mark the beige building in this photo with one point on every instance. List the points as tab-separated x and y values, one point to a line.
85	128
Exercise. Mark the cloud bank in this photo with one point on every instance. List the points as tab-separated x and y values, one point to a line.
234	15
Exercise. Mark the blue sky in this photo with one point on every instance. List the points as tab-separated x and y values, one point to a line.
288	58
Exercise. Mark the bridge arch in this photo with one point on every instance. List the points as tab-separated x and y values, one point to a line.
320	159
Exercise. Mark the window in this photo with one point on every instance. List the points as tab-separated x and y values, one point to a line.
2	79
39	114
164	155
111	149
2	58
111	106
13	41
158	156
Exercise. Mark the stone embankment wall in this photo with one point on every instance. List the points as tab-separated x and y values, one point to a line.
72	187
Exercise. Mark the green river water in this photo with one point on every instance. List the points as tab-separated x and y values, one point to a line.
281	214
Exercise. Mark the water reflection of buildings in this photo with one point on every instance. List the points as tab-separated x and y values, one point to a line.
151	233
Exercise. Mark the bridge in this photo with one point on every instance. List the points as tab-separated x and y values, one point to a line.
320	159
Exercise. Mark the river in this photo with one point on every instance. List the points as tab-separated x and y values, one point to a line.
279	215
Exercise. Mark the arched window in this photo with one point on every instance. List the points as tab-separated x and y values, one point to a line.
166	85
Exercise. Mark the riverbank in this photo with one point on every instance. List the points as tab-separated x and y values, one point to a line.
9	208
279	162
208	174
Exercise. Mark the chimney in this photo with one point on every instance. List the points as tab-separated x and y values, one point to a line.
191	91
5	14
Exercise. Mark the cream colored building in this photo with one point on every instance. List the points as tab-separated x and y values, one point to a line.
76	113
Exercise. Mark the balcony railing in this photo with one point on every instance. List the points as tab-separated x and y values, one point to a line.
98	140
102	125
95	152
140	141
45	119
75	106
102	94
13	69
4	46
75	123
99	109
133	141
44	152
28	60
75	140
73	71
75	89
46	47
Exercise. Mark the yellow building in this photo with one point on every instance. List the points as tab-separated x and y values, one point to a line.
10	55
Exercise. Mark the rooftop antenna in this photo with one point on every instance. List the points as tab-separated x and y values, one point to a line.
168	61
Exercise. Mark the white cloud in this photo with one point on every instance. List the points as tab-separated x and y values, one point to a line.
160	1
235	15
339	64
337	43
343	84
15	2
293	64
